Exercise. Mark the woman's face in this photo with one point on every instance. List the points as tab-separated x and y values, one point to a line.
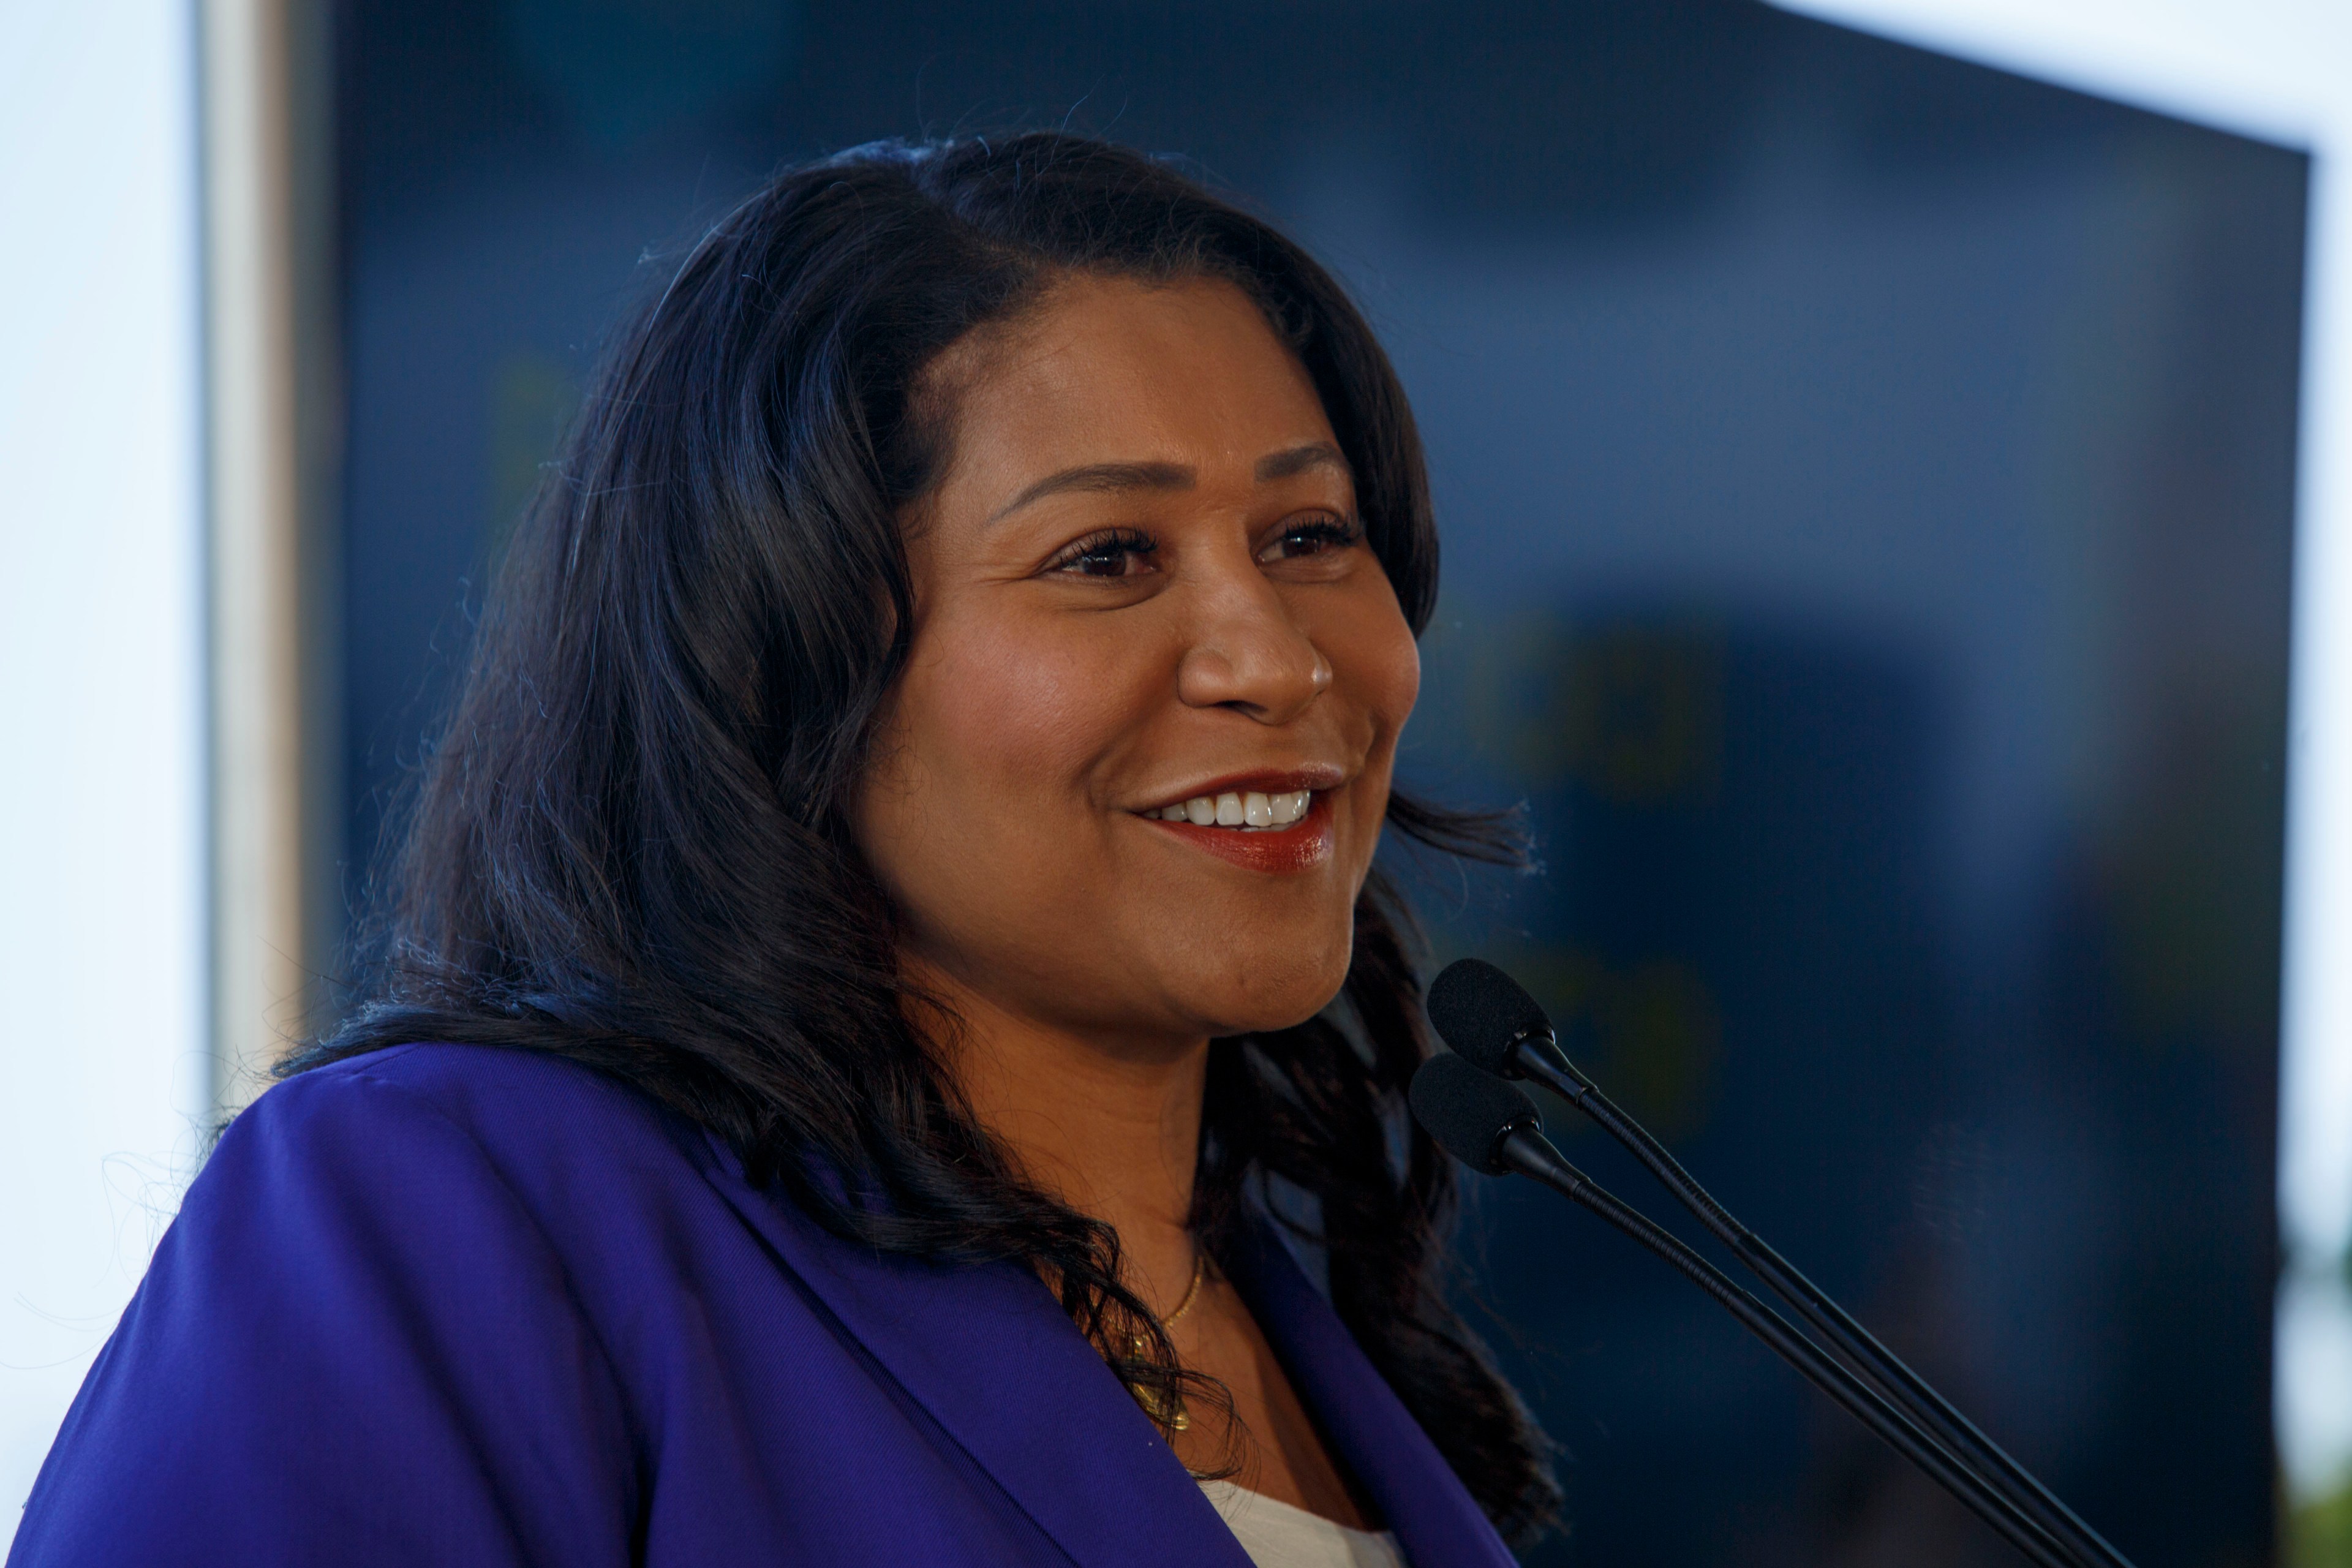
1133	775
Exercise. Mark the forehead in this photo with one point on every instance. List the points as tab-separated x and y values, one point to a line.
1107	369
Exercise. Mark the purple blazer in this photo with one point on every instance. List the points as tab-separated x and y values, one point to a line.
450	1304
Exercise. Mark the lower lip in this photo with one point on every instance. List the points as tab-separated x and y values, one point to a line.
1303	846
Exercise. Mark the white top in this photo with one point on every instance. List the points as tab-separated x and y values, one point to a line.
1277	1535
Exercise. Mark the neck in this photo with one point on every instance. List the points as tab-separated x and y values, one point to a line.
1110	1128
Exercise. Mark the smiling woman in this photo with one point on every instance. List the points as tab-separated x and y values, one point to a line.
895	919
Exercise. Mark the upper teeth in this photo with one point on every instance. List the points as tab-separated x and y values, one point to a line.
1240	808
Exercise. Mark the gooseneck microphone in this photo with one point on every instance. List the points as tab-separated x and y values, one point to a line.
1499	1030
1492	1127
1494	1023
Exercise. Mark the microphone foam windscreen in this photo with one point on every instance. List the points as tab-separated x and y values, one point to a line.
1468	1111
1479	1011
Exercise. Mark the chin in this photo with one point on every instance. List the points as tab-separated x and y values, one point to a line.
1278	1001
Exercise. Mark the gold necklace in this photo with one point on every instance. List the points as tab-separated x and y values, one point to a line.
1199	1272
1168	1409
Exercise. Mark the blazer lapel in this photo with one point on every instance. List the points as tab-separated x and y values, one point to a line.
987	1352
1437	1521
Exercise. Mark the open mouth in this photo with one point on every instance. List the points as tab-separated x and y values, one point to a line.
1249	811
1279	831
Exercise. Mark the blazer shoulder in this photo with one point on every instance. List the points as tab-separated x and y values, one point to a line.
372	1306
583	1154
502	1097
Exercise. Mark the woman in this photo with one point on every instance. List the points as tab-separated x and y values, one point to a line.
877	911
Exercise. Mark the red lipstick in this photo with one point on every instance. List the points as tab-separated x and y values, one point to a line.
1279	851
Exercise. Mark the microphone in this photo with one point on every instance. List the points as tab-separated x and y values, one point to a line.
1490	1019
1492	1127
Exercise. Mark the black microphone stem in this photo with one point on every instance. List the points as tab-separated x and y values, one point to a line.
1541	1060
1530	1153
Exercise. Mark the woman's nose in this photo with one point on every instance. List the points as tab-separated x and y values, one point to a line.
1249	655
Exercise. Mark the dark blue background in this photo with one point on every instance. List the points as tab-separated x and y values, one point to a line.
1866	487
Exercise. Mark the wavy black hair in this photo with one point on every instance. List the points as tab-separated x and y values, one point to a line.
630	846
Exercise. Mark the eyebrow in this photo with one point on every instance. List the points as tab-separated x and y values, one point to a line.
1298	459
1113	478
1110	477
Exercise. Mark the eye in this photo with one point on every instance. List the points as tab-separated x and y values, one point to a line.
1114	553
1313	536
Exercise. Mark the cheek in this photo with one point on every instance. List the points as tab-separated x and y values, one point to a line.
1374	658
1401	676
1019	719
992	739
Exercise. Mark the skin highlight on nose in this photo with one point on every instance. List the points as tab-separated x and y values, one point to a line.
1272	679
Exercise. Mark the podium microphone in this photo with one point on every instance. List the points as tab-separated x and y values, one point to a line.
1497	1028
1492	1127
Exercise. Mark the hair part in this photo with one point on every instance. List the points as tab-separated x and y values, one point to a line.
630	846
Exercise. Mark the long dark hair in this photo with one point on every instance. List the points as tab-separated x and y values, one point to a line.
630	846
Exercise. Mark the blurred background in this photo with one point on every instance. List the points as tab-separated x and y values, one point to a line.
1891	466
